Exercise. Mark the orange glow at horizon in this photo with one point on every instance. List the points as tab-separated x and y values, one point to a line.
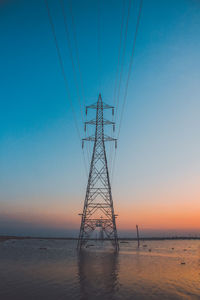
158	216
159	219
175	207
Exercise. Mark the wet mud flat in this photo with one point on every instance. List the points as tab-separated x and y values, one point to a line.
53	269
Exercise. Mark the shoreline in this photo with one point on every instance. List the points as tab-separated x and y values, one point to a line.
12	237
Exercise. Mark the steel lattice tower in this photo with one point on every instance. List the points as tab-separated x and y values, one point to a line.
98	210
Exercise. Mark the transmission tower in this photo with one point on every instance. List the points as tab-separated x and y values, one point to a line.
98	210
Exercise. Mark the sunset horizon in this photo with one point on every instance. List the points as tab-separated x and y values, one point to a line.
100	149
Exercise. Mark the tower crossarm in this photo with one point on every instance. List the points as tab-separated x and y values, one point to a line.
104	122
89	138
107	138
95	106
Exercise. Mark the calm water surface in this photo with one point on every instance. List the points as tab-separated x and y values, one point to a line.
52	269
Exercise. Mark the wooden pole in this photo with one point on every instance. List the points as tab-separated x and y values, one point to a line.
138	237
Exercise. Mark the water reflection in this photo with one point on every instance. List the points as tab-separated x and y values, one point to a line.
98	274
27	271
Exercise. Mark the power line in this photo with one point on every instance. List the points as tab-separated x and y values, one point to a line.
123	57
119	54
79	66
62	66
76	50
113	166
128	78
130	65
99	41
118	67
64	75
72	61
71	56
122	67
116	79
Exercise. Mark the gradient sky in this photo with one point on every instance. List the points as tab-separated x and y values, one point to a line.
157	171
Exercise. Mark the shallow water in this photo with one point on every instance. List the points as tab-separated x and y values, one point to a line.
52	269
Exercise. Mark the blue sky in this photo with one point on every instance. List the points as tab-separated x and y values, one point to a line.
157	165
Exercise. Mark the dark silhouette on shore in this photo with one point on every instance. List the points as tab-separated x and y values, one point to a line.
13	237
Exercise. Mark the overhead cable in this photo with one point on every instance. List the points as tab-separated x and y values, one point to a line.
123	57
130	65
128	77
71	56
119	53
76	50
64	76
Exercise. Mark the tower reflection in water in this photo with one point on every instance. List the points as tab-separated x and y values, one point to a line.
98	274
